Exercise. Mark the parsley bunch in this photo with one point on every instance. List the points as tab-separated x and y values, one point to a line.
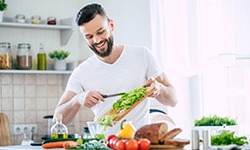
215	121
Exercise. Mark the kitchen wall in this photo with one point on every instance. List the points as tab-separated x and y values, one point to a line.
27	98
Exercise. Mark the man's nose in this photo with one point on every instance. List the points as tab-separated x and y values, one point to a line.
97	39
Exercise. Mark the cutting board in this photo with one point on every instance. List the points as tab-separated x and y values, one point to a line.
4	130
120	115
157	147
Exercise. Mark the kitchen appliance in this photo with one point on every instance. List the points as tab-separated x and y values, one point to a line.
49	120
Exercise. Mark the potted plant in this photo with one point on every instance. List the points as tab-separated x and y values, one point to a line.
59	57
216	124
3	7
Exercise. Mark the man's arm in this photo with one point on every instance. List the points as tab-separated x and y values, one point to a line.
68	106
165	93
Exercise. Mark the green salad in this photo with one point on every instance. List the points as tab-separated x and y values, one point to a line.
122	104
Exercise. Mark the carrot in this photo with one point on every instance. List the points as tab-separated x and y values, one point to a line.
69	144
59	144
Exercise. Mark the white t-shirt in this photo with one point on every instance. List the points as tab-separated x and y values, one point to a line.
134	66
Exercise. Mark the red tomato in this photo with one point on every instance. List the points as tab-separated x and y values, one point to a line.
132	145
144	144
120	145
113	142
110	137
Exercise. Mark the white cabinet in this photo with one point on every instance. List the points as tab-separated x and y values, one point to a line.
64	26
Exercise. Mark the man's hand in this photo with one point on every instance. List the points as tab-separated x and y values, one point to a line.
157	87
92	98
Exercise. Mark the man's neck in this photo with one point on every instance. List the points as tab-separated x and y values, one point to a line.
114	55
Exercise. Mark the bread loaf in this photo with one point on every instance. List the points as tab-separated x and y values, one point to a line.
153	132
170	134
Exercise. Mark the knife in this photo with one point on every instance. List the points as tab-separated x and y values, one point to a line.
112	95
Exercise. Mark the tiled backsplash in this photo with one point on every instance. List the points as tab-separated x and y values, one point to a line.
27	98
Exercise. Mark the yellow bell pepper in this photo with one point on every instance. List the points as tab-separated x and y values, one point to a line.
127	131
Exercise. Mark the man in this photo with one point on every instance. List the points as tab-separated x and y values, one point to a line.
114	68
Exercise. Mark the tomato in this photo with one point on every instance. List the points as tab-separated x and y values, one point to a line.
113	142
120	145
144	144
110	137
132	145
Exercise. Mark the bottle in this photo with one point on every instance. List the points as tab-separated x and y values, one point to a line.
41	59
58	130
5	56
24	56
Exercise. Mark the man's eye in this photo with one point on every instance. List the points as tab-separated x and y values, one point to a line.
100	32
88	37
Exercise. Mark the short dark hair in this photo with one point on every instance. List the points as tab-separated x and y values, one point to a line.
88	12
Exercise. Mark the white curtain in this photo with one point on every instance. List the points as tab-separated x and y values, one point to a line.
169	29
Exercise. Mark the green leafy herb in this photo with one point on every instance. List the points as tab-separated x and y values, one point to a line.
215	121
92	145
59	54
227	138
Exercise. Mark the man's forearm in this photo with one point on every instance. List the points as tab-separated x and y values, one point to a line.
167	96
68	109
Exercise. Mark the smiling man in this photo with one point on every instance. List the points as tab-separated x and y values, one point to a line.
112	69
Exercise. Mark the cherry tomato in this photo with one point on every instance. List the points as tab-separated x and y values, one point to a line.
113	142
144	144
120	145
132	145
110	137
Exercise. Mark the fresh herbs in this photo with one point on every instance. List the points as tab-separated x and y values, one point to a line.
227	138
122	104
215	121
3	5
92	145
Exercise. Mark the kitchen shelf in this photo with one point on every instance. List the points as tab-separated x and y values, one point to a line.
67	72
64	26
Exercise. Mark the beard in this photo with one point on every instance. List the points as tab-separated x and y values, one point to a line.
110	41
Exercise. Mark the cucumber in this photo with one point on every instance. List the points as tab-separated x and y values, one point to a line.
69	139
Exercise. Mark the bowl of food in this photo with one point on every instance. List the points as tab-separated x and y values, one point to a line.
98	128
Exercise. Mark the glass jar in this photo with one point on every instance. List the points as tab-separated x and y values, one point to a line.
5	56
35	19
20	18
24	56
51	20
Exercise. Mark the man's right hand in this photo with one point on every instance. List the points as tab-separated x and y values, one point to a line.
92	98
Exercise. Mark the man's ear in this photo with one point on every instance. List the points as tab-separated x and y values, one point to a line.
111	25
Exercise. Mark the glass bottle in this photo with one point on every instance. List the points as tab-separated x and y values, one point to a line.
58	130
5	56
24	56
41	59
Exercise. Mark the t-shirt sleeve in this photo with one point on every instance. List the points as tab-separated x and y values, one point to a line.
153	67
73	83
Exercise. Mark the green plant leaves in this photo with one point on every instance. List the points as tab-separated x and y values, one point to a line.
3	5
59	54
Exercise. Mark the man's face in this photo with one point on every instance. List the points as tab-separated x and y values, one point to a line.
97	33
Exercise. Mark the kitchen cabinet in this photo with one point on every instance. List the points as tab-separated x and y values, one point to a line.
64	26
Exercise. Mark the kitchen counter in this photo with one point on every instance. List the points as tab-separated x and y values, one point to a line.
24	147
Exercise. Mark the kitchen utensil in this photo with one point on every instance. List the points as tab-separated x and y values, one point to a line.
112	95
4	130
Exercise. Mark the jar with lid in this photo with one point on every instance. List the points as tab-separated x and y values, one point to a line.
51	20
20	18
5	56
24	56
35	19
